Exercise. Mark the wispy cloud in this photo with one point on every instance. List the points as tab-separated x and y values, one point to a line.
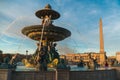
14	29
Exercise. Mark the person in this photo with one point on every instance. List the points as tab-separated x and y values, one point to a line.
106	64
62	65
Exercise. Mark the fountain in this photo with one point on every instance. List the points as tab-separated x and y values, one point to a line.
46	34
46	55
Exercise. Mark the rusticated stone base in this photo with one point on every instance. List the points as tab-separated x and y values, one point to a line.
5	74
60	75
93	75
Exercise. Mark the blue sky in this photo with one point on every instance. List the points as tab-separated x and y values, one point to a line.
81	17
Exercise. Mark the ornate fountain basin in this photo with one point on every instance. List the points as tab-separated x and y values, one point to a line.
51	32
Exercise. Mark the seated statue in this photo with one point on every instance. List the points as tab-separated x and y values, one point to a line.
46	20
27	63
62	65
8	62
53	64
53	52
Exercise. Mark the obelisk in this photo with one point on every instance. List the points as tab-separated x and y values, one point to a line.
102	52
101	37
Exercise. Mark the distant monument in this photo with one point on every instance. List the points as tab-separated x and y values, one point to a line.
102	52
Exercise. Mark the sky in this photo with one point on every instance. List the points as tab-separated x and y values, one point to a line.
81	17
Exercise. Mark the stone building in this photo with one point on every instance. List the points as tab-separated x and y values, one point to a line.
118	57
73	58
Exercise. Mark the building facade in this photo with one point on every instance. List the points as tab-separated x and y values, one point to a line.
118	56
73	58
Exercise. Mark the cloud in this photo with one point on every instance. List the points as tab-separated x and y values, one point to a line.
12	36
63	49
14	29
